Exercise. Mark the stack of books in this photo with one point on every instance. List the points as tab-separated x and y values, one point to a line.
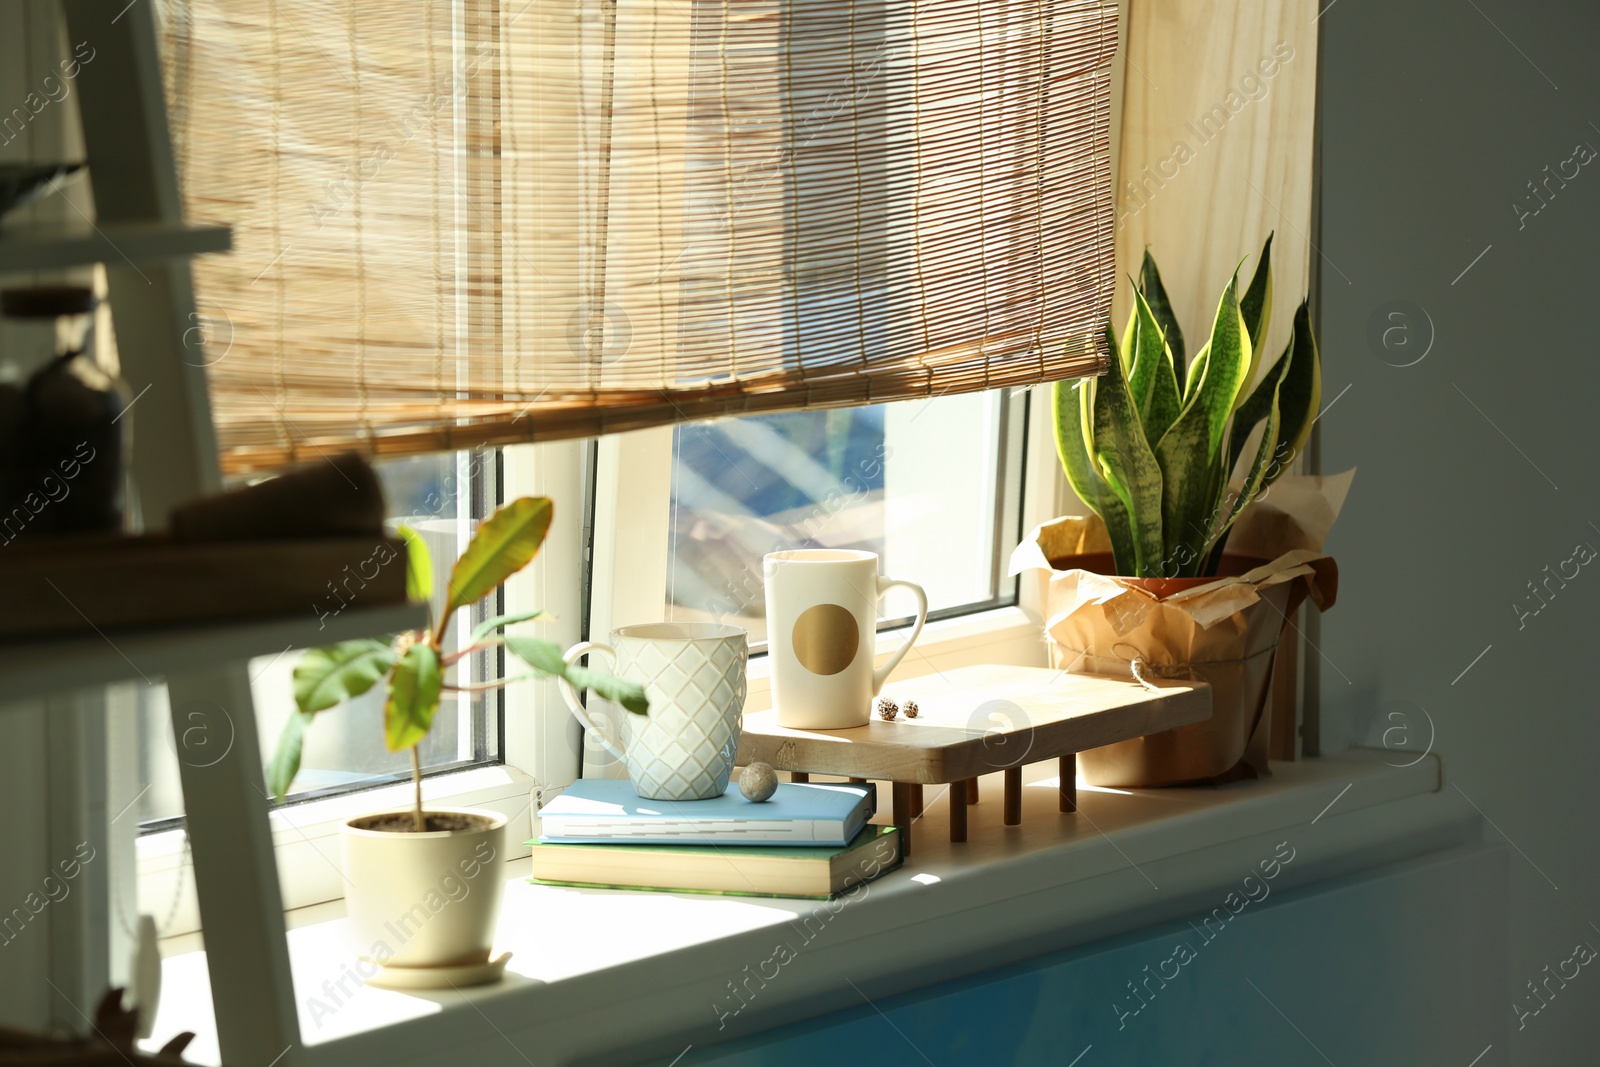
811	840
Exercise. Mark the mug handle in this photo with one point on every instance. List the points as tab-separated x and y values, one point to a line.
570	694
881	675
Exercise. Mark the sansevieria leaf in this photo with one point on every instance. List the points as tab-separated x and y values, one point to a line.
546	658
1156	294
1190	452
1140	373
1128	351
328	676
286	760
1300	395
1256	303
1069	400
1257	406
504	544
1265	448
1227	368
1126	462
1186	492
1152	382
413	697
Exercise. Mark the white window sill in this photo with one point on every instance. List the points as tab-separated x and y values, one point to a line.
609	976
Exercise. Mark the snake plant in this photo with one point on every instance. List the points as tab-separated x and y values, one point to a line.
1159	461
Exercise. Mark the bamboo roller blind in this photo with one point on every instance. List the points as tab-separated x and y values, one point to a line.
465	222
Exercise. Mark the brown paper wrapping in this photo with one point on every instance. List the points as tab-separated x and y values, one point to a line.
1224	632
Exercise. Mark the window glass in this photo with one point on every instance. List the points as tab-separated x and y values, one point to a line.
439	496
928	485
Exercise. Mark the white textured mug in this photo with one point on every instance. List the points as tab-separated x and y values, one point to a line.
822	628
694	676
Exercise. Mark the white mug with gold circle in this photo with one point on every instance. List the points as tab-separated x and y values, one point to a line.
822	620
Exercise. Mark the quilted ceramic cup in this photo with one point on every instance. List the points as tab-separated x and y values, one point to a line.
694	676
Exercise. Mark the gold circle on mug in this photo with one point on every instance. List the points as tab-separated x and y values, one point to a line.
826	639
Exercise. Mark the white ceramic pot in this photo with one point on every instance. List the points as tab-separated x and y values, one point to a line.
424	900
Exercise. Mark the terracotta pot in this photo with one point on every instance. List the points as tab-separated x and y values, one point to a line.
425	899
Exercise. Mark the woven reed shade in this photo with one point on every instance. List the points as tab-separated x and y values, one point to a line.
467	223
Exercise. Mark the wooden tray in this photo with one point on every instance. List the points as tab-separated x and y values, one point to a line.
111	583
976	720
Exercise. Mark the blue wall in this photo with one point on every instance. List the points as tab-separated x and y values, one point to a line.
1401	966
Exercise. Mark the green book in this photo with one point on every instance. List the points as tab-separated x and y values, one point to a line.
731	870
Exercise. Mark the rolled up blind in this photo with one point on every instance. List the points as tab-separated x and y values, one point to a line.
464	222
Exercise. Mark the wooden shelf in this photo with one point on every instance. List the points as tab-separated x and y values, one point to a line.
28	248
35	668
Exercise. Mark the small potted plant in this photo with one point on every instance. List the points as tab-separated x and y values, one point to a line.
423	888
1169	457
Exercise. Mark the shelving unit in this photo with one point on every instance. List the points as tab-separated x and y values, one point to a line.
138	232
54	247
37	668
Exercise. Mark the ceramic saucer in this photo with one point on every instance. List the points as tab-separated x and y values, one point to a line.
391	977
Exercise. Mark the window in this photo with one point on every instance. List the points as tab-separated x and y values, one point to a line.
935	487
441	497
463	249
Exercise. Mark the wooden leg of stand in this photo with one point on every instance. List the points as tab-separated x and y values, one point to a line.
799	776
916	801
958	811
1013	815
1069	783
902	815
972	790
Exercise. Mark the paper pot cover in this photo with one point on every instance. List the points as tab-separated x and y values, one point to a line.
1224	632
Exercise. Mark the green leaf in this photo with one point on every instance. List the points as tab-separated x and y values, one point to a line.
1069	401
1300	395
1139	376
505	543
328	676
1266	449
1124	459
1296	382
542	655
489	626
1128	351
1152	382
1256	304
545	657
1257	406
1190	452
419	566
1186	495
1156	295
1227	367
286	760
413	698
1197	370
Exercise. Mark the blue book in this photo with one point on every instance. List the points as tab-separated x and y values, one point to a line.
608	811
